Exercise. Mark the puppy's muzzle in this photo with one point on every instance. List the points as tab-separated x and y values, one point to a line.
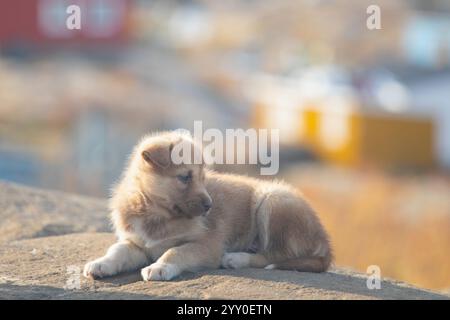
207	205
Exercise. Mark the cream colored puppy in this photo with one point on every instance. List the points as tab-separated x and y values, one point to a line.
173	218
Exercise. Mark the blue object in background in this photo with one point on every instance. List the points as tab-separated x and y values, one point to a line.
425	38
20	167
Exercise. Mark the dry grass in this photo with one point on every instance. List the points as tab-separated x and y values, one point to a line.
401	224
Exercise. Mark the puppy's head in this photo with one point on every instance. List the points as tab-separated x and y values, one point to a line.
170	175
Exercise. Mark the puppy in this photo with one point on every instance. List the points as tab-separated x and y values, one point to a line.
170	218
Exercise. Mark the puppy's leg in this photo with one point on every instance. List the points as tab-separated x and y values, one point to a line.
188	257
121	256
237	260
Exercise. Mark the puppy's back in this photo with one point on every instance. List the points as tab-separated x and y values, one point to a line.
288	230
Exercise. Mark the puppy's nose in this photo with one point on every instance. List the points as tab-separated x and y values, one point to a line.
207	204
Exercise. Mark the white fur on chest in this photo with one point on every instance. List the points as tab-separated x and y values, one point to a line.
139	236
156	247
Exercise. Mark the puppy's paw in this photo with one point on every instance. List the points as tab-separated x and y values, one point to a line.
160	271
235	260
98	269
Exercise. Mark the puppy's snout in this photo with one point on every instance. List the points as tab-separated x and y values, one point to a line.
207	203
207	206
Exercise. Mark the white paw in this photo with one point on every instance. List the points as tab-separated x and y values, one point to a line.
98	269
235	260
160	271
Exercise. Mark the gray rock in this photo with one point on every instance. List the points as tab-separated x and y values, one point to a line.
29	213
50	268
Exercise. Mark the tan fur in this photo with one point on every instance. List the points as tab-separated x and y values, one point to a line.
159	219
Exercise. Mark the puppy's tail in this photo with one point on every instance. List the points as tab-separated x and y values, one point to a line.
306	264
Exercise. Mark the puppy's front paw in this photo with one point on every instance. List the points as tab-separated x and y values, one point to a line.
97	269
235	260
159	271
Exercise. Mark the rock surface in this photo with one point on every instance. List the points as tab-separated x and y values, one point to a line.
30	213
46	268
49	265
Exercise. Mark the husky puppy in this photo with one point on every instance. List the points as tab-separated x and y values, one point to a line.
170	218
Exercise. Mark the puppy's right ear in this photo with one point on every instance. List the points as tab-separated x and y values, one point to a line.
158	155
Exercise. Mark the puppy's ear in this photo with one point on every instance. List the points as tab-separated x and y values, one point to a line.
158	155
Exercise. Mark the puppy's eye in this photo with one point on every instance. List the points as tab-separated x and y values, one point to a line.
185	178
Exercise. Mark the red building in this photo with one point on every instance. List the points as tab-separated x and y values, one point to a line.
43	22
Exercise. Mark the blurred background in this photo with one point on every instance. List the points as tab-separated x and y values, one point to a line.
364	115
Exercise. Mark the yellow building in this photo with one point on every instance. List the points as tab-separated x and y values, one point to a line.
352	137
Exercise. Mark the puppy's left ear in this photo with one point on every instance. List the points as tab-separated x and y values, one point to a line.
158	155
